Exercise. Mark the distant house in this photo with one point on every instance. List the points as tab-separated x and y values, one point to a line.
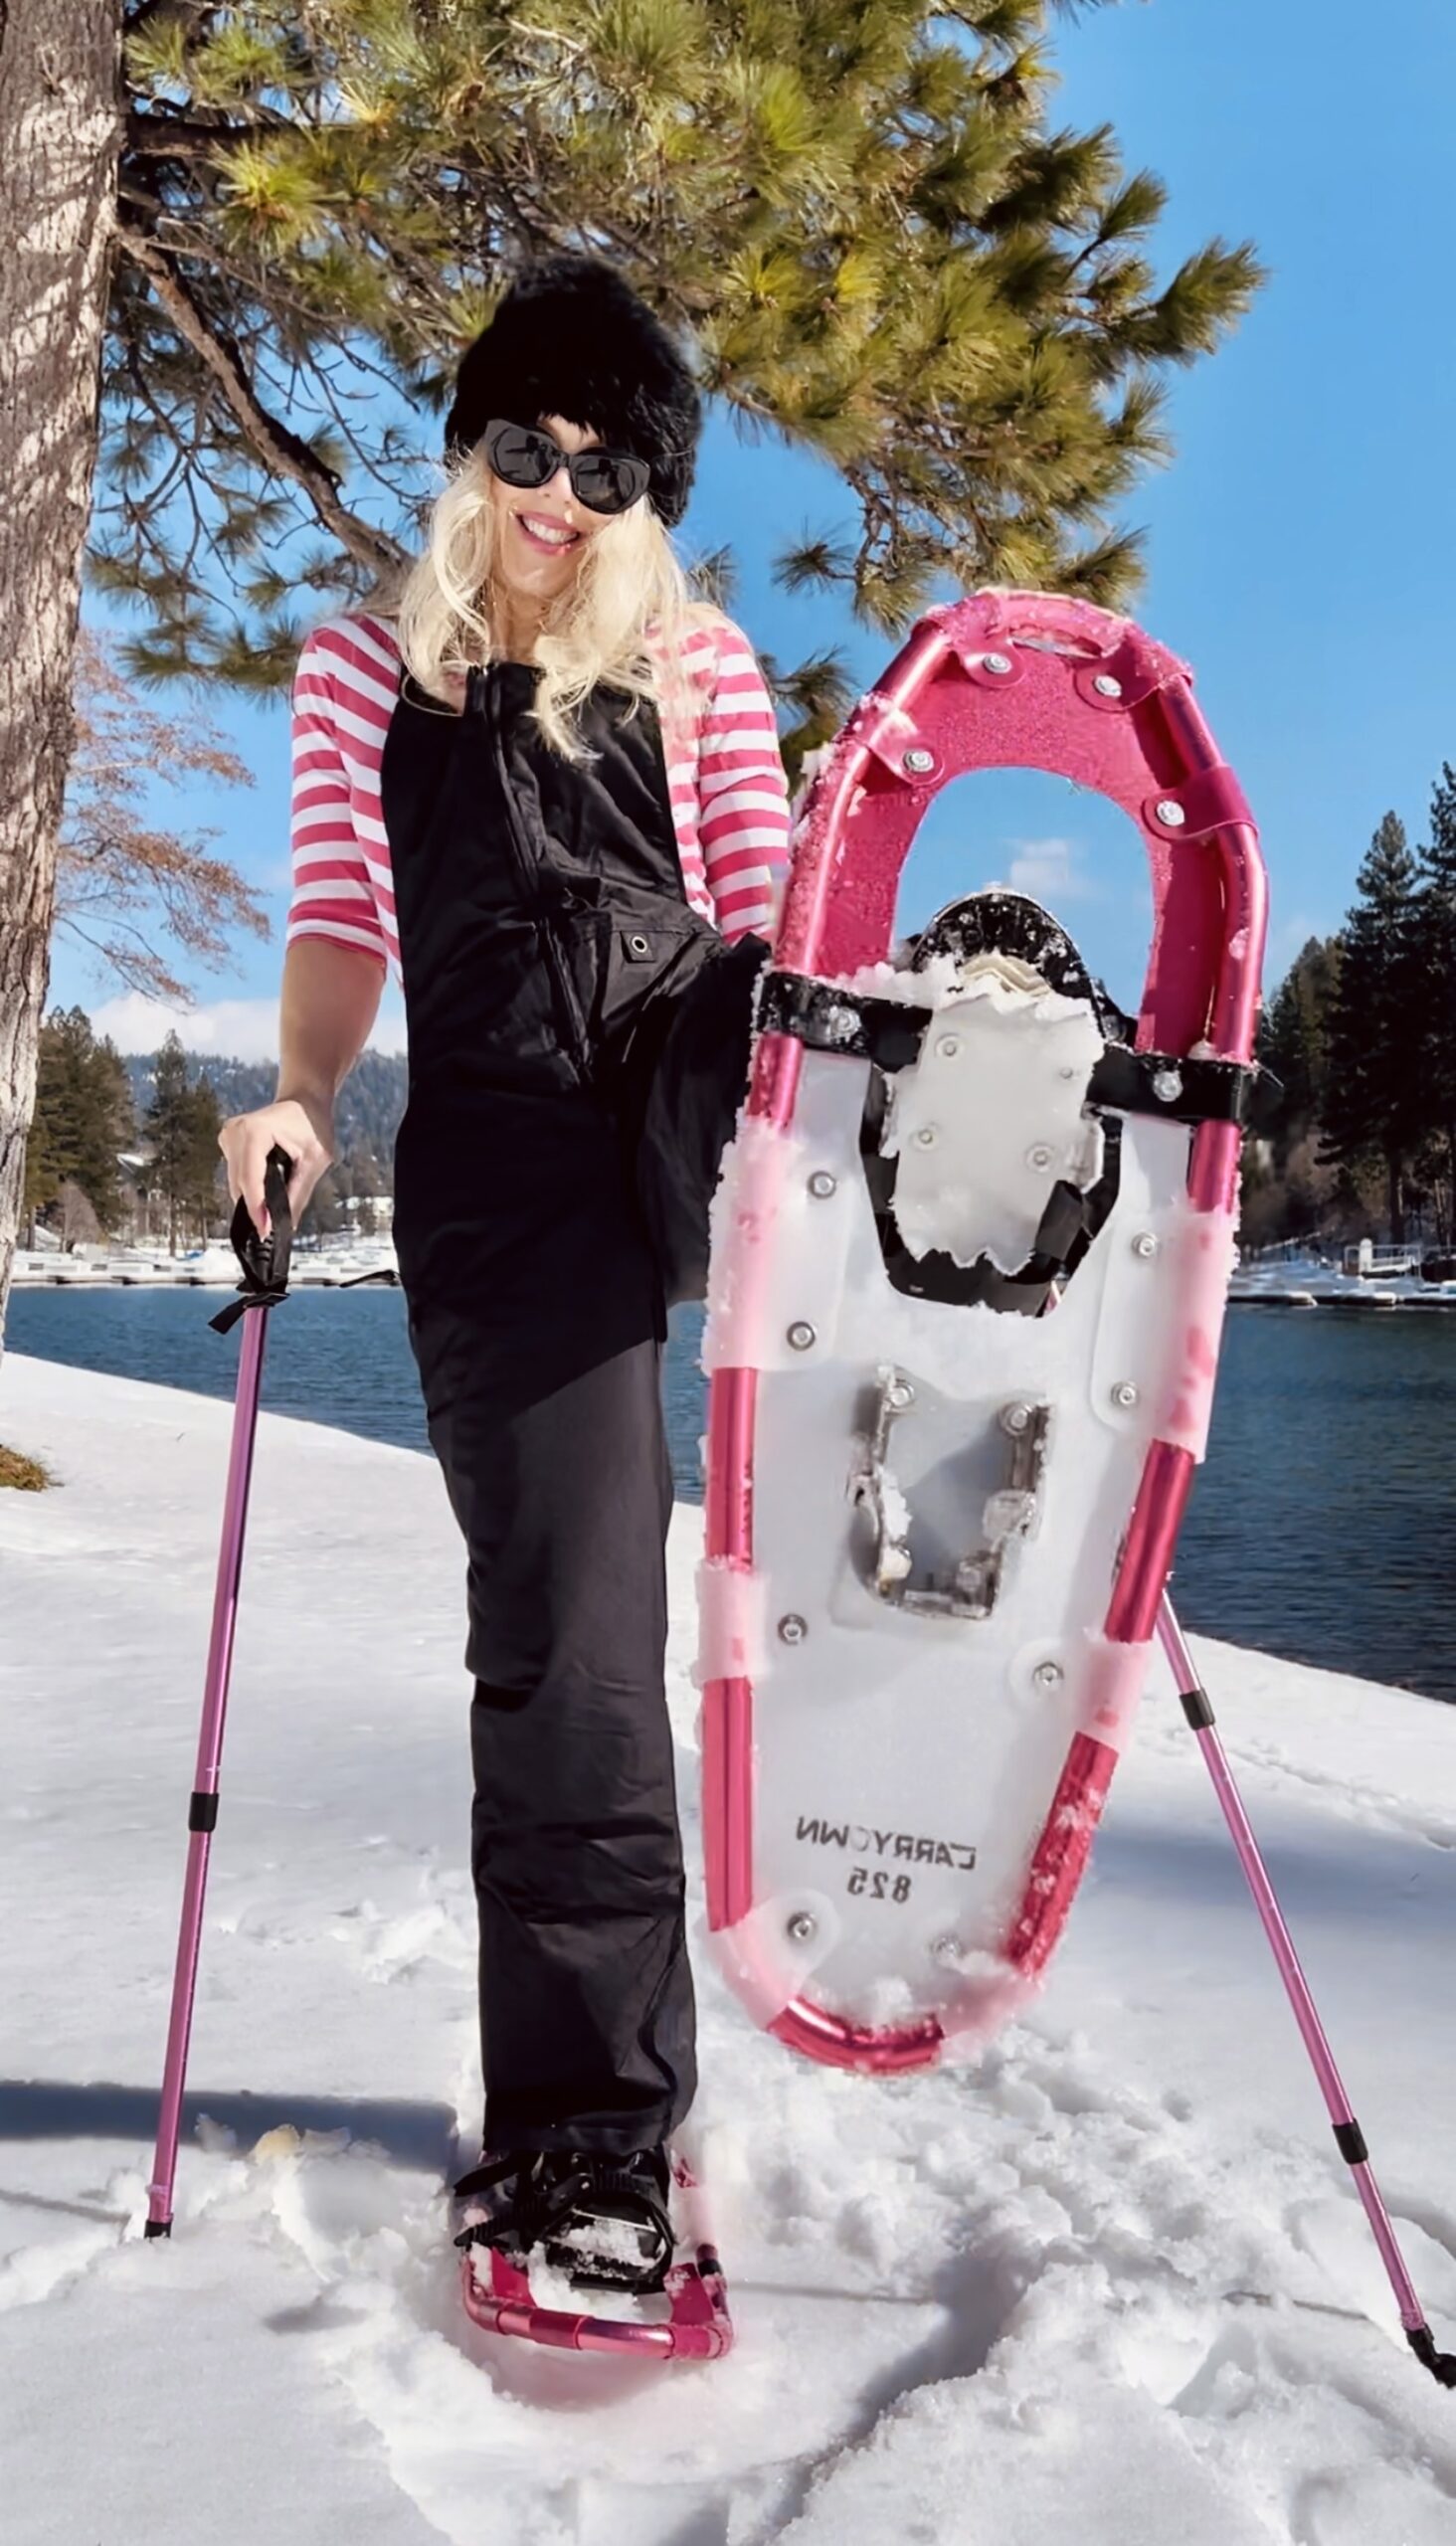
137	1198
372	1214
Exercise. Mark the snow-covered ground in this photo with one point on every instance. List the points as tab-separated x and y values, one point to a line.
1111	2283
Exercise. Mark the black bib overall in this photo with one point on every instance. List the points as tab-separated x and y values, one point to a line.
578	1050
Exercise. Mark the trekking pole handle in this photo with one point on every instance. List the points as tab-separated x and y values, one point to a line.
263	1260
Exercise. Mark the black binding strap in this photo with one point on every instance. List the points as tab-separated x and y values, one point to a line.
883	1031
264	1260
1182	1089
543	2201
891	1033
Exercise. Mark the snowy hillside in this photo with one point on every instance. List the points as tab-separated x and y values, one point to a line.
1112	2284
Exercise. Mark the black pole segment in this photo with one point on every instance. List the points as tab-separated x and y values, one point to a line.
1350	2140
157	2228
1441	2364
201	1812
1196	1706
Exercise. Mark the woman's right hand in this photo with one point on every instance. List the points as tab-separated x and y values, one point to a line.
304	1131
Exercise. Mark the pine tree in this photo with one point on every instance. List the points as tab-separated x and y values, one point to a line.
205	1166
1436	982
83	1119
1293	1039
862	218
289	222
1372	1094
182	1122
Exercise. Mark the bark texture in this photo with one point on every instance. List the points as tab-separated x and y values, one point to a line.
60	123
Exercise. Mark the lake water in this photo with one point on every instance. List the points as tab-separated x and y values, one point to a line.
1322	1526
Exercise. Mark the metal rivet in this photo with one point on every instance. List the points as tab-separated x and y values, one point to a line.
1170	814
999	664
793	1629
801	1335
1168	1086
801	1927
918	761
926	1137
822	1185
1015	1417
1106	686
1040	1157
948	1046
1145	1245
1125	1393
1047	1674
901	1394
946	1949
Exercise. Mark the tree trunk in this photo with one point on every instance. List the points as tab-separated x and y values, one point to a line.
59	132
1395	1203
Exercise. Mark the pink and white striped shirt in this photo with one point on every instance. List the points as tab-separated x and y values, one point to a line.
728	791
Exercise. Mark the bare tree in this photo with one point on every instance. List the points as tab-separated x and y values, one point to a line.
136	895
78	1224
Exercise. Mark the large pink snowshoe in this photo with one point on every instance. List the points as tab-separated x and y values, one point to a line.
970	1250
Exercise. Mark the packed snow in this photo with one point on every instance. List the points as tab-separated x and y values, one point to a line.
1112	2282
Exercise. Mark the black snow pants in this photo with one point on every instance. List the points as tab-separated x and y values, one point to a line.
578	1051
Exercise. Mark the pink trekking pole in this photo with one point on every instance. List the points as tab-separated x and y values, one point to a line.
264	1263
1348	2137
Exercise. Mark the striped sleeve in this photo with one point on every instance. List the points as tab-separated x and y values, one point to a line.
743	795
333	895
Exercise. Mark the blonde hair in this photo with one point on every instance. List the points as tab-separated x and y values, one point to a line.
621	620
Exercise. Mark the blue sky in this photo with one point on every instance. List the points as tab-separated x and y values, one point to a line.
1300	548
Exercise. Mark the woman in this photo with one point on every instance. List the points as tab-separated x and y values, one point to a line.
548	787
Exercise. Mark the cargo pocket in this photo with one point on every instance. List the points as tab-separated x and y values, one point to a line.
647	963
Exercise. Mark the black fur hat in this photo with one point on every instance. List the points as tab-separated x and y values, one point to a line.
573	339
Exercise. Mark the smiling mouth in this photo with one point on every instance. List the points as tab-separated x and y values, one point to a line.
543	540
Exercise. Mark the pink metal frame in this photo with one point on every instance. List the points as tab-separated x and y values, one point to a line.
998	680
699	2326
209	1768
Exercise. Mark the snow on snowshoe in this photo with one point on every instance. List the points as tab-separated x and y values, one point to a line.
970	1249
543	2227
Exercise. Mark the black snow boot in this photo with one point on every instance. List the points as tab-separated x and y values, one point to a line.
601	2218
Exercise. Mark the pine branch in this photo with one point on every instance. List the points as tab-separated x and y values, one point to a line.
282	451
857	209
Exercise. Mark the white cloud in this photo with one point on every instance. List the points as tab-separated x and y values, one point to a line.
242	1029
1047	870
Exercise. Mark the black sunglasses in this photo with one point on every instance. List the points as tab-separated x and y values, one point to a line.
605	481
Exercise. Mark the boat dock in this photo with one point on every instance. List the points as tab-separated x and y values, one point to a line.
1310	1286
215	1268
